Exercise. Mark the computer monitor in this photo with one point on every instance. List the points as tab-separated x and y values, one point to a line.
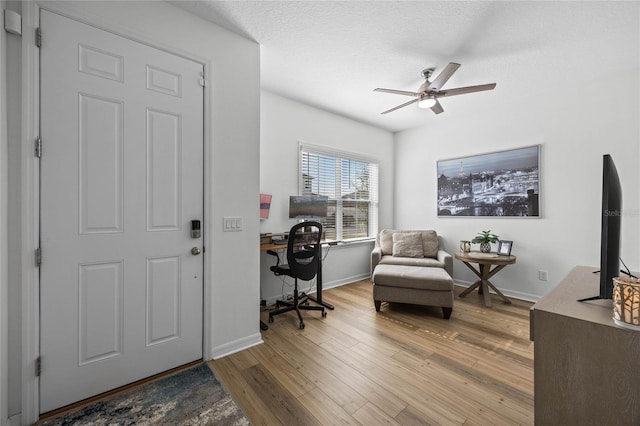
308	206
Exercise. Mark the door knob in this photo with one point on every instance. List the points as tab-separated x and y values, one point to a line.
196	251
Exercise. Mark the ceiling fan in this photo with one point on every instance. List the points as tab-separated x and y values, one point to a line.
429	91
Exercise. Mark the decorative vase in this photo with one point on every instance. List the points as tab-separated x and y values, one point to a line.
626	302
485	247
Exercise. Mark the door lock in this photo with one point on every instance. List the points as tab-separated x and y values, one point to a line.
196	251
195	229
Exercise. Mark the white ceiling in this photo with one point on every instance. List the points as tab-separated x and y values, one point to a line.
332	54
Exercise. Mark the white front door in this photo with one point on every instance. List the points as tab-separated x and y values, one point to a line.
121	294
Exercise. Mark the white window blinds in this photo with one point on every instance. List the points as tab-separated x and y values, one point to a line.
351	184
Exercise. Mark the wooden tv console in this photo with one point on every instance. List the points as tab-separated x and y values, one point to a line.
586	368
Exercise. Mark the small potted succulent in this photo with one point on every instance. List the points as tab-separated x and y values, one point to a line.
485	239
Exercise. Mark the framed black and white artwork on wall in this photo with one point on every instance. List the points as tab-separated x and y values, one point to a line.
496	184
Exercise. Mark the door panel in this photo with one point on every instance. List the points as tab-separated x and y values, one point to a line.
164	180
121	179
163	299
100	290
101	164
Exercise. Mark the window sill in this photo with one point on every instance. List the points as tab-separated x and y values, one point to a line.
352	242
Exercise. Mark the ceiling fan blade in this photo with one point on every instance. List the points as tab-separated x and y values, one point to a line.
396	92
437	108
445	75
463	90
400	106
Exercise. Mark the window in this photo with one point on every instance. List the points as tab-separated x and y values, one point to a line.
350	182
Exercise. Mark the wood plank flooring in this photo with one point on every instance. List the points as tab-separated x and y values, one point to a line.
404	365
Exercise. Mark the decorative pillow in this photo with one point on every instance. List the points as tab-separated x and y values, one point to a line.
407	244
430	243
386	241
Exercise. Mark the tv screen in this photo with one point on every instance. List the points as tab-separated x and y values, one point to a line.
610	228
308	206
265	205
610	231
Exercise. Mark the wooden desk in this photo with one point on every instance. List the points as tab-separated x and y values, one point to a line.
271	246
484	272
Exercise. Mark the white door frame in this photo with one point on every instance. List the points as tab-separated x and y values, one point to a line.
30	191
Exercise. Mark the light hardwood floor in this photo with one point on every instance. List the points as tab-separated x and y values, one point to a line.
403	365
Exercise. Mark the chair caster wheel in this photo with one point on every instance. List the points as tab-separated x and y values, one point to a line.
301	326
324	314
270	319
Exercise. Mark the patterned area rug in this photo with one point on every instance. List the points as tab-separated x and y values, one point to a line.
190	397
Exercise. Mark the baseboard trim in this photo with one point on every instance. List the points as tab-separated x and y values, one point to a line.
15	420
325	286
346	280
221	351
509	293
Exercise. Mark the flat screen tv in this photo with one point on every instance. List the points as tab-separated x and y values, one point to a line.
610	228
308	206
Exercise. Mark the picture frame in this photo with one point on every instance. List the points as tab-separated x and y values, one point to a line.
495	184
265	205
504	247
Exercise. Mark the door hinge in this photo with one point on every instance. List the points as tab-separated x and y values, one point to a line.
38	147
38	365
38	37
202	82
38	256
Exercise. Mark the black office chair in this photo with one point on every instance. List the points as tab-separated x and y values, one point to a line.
304	254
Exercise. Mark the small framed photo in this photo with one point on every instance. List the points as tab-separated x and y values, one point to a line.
504	247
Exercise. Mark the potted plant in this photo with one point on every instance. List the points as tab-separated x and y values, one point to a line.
485	239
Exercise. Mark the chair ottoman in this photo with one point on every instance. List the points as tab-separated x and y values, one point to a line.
413	284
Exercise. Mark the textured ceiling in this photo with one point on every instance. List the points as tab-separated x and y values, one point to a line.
332	54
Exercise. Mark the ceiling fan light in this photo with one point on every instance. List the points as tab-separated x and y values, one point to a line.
426	103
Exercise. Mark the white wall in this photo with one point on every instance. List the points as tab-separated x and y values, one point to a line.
231	151
283	124
574	132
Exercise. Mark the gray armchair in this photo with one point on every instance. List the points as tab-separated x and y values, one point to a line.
410	267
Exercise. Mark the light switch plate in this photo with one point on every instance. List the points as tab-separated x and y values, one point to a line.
232	223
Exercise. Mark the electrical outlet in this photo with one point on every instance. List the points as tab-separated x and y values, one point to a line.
542	275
